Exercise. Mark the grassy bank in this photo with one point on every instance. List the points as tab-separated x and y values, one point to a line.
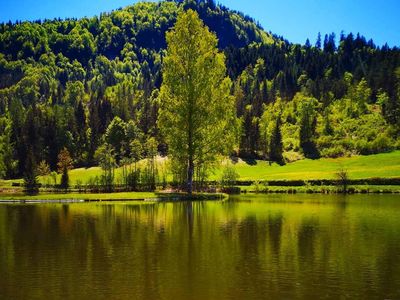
128	196
89	196
323	189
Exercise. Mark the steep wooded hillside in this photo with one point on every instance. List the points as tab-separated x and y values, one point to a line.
79	84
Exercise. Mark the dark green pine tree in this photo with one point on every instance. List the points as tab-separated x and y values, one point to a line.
31	184
80	135
318	42
64	179
328	129
276	146
391	105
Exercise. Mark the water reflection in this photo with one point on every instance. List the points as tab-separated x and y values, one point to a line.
301	247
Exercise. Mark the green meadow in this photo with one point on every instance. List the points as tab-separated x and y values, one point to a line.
385	165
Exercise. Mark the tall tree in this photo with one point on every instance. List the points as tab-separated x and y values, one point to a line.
276	146
106	159
116	135
307	119
31	183
318	42
7	162
197	112
64	184
151	153
64	164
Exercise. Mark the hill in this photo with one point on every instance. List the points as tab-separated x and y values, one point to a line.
76	84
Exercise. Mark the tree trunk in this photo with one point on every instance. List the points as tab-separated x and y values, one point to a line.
190	169
190	176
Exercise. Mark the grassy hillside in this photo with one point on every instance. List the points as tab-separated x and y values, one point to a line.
385	165
380	165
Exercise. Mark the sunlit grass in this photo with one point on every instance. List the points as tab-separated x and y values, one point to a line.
385	165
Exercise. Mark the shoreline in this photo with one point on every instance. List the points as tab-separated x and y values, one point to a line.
131	197
109	197
321	189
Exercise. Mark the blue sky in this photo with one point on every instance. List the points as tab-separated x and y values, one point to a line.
294	20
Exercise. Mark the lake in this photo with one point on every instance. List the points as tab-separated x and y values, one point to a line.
247	247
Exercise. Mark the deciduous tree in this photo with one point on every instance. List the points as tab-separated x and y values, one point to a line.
197	114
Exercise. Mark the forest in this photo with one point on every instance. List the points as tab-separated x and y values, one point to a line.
85	92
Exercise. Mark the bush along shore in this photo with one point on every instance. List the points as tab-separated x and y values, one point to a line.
325	186
209	190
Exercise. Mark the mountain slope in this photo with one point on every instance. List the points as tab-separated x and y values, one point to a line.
143	25
67	83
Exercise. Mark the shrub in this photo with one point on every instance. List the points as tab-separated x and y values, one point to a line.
290	144
229	176
133	179
334	152
381	144
342	179
348	143
363	147
292	156
31	184
351	190
324	142
231	190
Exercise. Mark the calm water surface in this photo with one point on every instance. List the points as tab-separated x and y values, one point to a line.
249	247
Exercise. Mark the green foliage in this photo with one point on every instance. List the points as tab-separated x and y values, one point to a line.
391	104
136	151
307	121
149	176
106	160
74	92
197	111
2	167
7	162
271	132
276	145
364	134
31	183
115	135
43	169
53	176
358	96
229	175
76	83
342	177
